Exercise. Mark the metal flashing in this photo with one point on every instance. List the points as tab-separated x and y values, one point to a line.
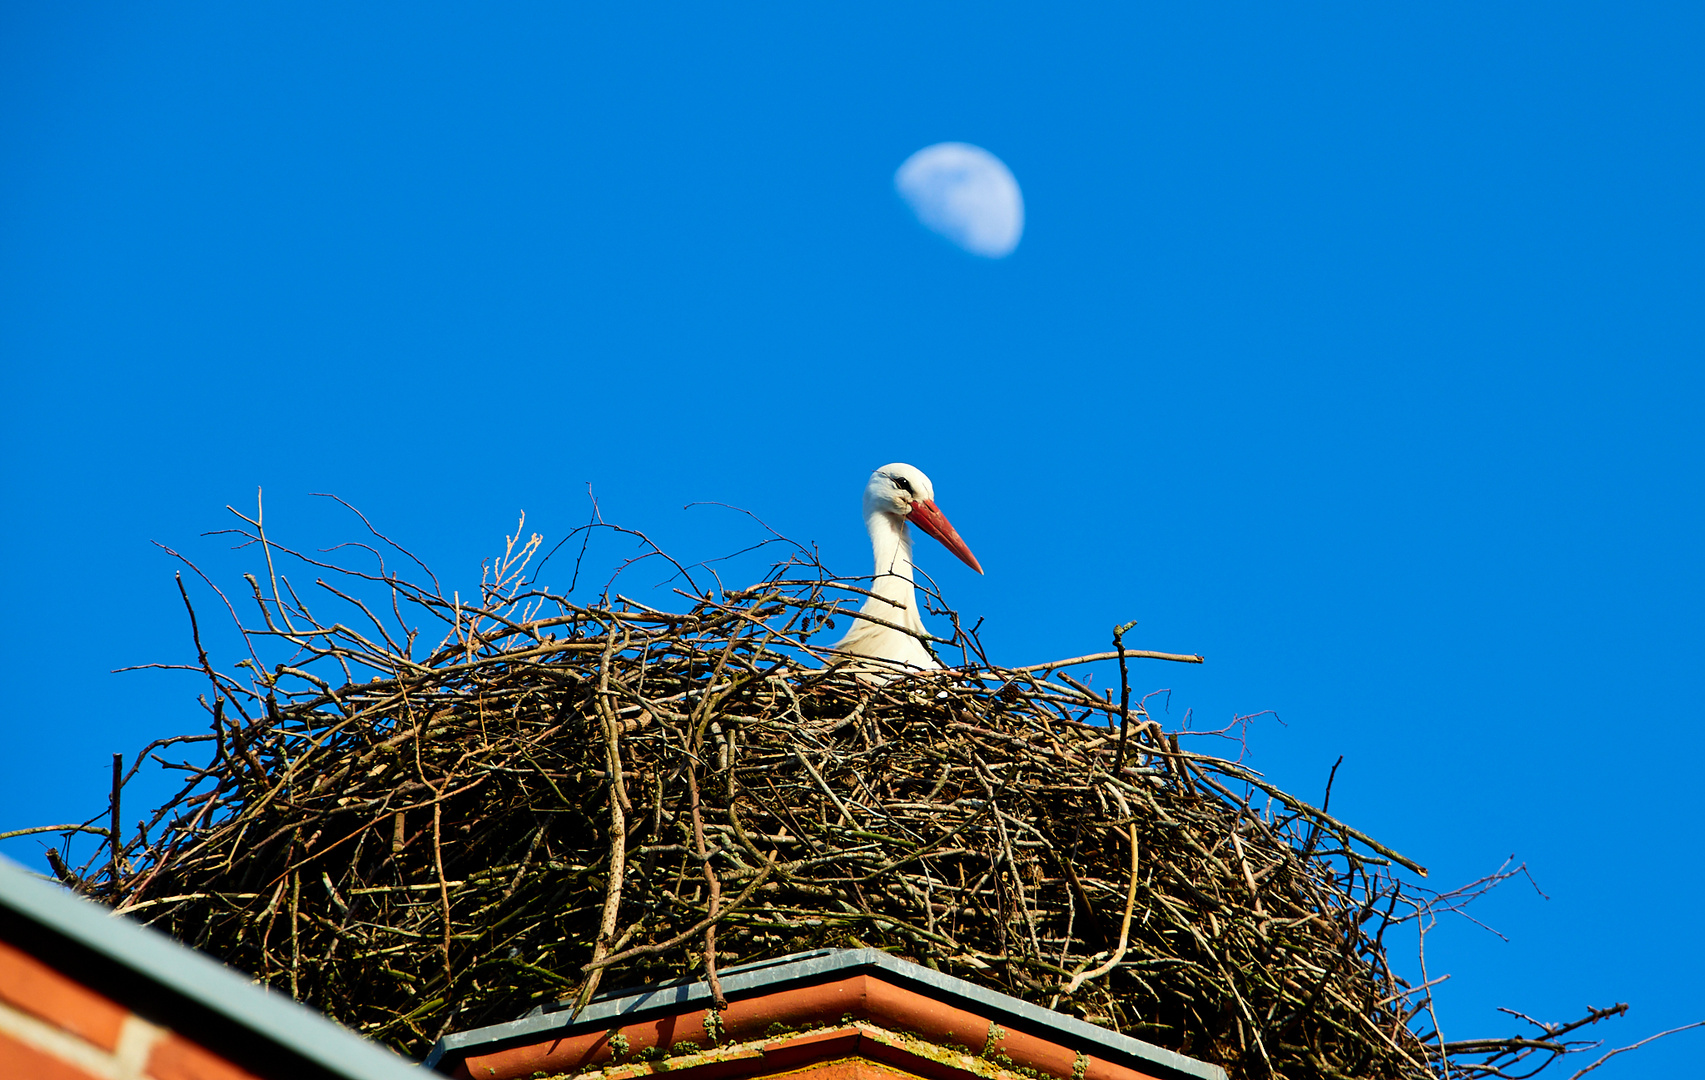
176	975
629	1006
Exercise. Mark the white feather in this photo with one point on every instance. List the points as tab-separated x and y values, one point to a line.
886	504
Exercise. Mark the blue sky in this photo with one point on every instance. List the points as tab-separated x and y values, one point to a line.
1358	349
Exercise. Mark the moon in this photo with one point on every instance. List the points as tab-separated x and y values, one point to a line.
966	194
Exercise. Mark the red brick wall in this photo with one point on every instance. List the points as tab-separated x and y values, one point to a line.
54	1028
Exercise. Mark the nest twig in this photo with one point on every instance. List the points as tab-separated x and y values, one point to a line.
555	796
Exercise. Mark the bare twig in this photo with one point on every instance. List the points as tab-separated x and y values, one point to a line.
531	792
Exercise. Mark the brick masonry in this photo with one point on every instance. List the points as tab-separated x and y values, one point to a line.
54	1028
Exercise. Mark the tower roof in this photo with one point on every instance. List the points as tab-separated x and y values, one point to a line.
810	1007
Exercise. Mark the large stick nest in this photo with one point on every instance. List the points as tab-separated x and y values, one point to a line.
421	840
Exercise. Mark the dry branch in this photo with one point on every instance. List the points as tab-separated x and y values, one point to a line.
422	839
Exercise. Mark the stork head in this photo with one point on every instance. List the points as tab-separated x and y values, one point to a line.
906	493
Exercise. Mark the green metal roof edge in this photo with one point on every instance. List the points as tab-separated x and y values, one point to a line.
682	995
180	970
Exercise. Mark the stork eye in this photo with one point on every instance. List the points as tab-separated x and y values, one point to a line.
902	483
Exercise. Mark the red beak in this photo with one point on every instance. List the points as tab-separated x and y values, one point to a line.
928	517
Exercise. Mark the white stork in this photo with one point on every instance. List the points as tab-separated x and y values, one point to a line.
898	494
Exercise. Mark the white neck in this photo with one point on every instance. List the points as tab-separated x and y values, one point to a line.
891	542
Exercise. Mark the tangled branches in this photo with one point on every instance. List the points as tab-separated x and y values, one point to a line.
556	796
